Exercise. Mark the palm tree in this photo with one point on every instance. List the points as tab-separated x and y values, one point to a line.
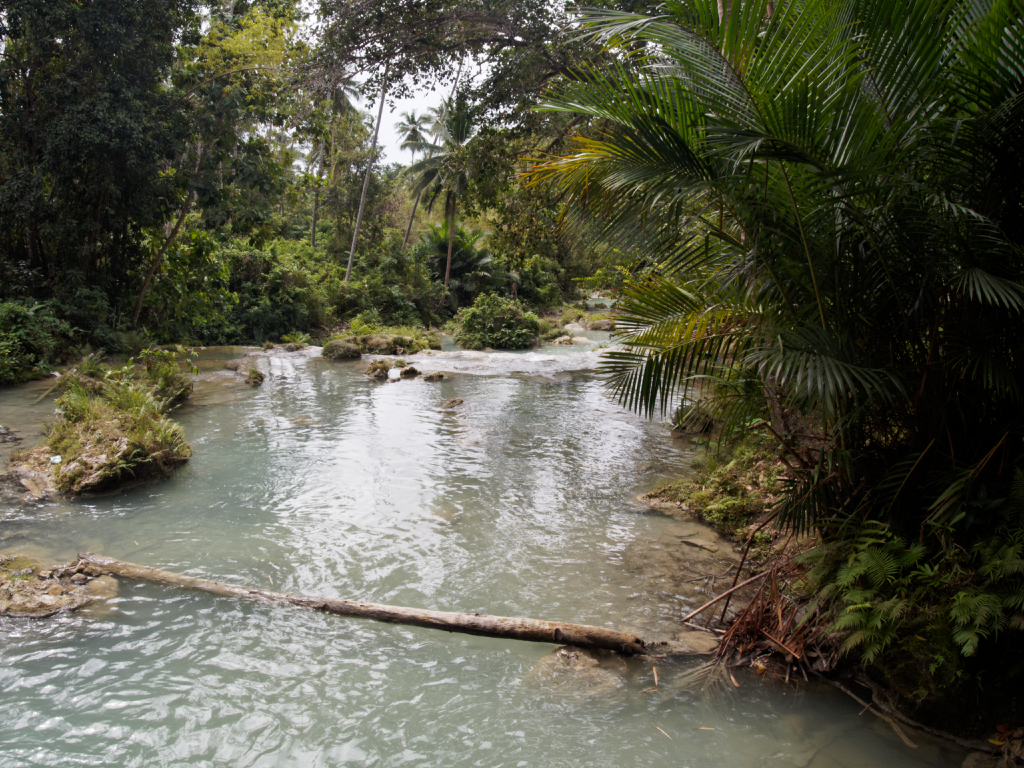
444	173
834	191
413	130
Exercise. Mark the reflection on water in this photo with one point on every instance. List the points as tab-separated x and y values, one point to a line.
518	502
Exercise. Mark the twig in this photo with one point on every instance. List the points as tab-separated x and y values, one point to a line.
666	735
781	644
704	629
859	700
743	559
725	594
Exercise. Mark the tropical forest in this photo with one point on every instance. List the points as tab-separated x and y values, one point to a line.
478	383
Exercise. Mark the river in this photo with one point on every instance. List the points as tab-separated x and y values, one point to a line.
518	502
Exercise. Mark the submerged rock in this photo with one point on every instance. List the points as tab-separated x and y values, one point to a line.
240	363
341	350
6	436
574	327
578	672
454	402
581	340
433	377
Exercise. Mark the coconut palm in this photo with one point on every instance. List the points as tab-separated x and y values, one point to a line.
444	173
413	129
834	192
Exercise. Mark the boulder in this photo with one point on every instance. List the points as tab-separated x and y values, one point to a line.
601	325
408	372
240	364
341	350
293	347
574	328
379	343
563	340
433	377
255	378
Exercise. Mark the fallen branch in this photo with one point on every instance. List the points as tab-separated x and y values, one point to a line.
859	700
725	594
532	630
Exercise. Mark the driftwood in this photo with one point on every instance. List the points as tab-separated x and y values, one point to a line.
532	630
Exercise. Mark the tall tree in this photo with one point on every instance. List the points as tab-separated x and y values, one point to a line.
446	172
369	170
413	130
87	127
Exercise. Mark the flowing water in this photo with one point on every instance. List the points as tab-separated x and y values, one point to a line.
518	502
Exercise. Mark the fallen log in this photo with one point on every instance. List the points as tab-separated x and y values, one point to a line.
532	630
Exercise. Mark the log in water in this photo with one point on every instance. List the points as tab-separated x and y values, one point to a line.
531	630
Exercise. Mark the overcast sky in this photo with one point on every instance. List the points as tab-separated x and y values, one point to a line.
389	138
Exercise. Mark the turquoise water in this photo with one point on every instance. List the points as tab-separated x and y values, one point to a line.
518	502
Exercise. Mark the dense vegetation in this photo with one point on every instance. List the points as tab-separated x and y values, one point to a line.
184	171
834	192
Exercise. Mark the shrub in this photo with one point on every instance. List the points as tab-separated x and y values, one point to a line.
30	338
498	322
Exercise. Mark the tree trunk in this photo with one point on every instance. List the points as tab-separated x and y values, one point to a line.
159	257
531	630
408	229
316	197
366	179
451	240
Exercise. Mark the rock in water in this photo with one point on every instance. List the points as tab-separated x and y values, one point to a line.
575	671
574	328
408	372
455	401
255	378
433	377
563	340
601	325
378	369
340	350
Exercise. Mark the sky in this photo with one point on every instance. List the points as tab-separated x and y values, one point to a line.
389	138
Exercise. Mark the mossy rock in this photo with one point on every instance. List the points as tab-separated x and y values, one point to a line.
341	350
255	378
378	369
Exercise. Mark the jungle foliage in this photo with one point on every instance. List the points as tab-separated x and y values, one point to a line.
833	194
191	172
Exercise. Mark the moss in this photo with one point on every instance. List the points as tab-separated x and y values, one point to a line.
731	495
341	350
255	378
378	369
